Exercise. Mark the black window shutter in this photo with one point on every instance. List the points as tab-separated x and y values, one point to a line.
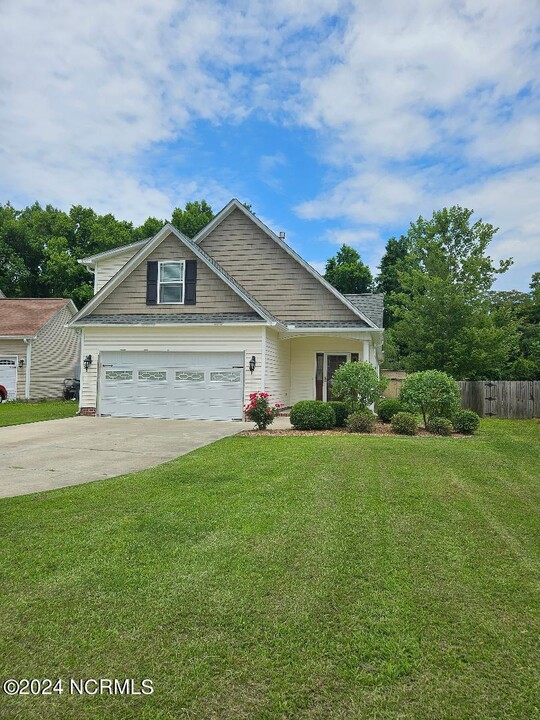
151	282
190	291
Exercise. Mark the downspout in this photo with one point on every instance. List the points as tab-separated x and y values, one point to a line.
28	366
263	360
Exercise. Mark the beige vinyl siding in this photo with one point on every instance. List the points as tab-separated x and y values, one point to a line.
270	274
277	367
17	348
213	295
108	267
303	352
174	339
55	356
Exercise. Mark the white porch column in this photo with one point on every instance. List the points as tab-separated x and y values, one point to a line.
366	351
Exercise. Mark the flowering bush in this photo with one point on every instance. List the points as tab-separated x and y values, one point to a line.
260	411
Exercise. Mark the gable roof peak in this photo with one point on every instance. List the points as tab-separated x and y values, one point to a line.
145	251
235	204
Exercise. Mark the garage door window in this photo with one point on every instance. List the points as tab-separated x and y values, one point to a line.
119	375
190	375
171	282
226	376
154	375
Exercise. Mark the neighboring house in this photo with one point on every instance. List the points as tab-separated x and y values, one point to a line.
186	328
37	349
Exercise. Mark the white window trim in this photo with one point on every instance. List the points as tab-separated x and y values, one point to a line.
178	282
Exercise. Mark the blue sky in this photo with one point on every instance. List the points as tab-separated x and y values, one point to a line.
338	121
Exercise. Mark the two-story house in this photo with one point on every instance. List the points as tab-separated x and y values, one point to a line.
188	328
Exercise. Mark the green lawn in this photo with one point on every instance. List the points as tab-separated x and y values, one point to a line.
18	413
273	577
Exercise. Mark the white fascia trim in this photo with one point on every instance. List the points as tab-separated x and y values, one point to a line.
17	337
236	204
92	259
144	252
168	325
306	331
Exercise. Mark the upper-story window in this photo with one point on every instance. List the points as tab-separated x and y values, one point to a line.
171	282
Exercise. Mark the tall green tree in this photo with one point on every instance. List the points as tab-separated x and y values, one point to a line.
193	217
347	273
396	260
445	320
524	310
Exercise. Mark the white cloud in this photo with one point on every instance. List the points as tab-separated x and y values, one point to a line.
414	105
87	89
319	266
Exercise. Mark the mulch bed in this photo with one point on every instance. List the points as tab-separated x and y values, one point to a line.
380	429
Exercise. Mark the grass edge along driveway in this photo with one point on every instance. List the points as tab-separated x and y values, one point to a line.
312	577
20	413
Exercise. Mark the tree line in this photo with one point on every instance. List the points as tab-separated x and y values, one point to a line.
441	311
40	246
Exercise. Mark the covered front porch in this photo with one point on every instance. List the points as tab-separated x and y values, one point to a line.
301	366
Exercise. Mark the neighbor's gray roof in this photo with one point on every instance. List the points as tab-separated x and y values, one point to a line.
371	304
305	324
172	319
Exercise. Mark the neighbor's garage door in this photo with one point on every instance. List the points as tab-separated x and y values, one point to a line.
172	385
8	378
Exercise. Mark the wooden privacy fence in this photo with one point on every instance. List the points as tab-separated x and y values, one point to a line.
518	399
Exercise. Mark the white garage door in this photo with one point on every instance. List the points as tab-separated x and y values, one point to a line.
8	376
208	386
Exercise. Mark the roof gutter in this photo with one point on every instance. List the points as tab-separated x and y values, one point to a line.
17	337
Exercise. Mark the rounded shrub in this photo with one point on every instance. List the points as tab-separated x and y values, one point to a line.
439	426
466	422
387	408
431	392
362	421
341	411
357	384
404	423
312	415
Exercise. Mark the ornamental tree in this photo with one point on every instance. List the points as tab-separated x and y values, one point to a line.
431	392
357	384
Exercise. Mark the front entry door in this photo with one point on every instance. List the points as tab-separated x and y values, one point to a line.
332	364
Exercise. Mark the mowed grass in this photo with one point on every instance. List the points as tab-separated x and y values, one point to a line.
305	577
18	413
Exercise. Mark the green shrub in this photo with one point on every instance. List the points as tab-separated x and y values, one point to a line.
466	422
404	423
313	415
439	426
387	408
431	392
341	412
362	421
357	384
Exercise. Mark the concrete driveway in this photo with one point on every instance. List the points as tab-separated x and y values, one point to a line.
58	453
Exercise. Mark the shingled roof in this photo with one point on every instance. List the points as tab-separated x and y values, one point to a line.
371	304
23	317
170	319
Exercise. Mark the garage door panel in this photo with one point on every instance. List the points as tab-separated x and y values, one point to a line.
172	385
8	375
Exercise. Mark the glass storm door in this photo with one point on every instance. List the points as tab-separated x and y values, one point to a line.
332	364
